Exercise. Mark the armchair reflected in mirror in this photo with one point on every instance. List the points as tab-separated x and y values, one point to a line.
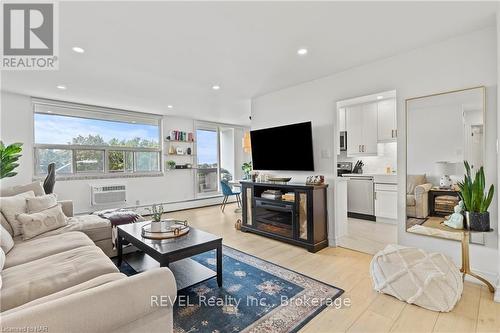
443	130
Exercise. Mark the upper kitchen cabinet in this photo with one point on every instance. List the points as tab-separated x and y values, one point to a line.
387	126
361	126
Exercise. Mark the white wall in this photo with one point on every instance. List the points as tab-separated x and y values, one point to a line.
176	187
465	61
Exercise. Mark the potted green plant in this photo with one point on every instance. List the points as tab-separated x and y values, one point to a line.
9	155
156	213
476	200
171	165
247	168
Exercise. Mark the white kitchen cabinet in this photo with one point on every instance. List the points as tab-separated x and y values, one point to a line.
361	126
341	120
386	201
386	120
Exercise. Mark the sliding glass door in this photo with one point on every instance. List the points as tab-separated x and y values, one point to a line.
207	150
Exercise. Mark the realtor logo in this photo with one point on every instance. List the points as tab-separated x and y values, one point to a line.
29	36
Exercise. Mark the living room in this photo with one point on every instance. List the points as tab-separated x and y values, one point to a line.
182	158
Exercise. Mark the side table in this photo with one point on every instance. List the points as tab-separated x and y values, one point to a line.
436	192
466	260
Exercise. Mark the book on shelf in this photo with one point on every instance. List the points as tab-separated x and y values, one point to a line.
271	194
176	135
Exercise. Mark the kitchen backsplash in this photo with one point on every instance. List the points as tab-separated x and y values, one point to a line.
387	157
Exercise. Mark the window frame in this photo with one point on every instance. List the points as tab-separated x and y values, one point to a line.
154	118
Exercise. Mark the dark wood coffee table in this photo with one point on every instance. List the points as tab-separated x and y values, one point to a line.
173	253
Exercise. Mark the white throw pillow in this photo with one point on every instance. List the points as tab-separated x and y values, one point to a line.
37	204
38	223
6	241
12	206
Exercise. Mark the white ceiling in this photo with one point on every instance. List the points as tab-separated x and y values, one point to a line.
146	55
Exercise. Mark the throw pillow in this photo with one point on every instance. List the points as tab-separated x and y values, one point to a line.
11	191
12	206
6	241
38	223
37	204
5	224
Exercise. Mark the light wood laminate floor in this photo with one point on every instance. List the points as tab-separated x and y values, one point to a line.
349	270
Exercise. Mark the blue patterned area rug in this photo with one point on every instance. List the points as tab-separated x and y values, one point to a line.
256	296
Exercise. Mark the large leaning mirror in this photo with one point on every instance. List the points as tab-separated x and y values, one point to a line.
443	131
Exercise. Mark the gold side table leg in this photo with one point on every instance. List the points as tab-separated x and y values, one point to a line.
466	262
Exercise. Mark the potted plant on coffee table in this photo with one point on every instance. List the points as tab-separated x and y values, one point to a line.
476	200
156	214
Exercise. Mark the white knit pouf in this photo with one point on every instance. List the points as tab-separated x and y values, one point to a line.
429	280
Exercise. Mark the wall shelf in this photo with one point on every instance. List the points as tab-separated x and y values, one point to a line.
179	141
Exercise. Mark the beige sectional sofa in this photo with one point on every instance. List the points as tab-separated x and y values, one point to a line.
62	281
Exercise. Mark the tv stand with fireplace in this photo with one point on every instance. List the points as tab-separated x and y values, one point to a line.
301	222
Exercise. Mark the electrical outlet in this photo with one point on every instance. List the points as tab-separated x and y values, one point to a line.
137	203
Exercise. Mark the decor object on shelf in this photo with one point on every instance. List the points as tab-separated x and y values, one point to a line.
188	150
9	155
171	150
456	220
247	168
279	179
445	169
315	180
179	151
171	165
50	180
176	135
476	201
429	280
246	143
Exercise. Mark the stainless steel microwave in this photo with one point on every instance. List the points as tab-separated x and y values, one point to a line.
343	140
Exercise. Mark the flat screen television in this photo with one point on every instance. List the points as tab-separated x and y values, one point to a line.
287	147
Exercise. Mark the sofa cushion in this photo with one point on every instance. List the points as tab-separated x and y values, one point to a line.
5	224
36	187
33	249
412	181
6	241
14	205
38	223
410	200
37	204
26	282
95	282
93	226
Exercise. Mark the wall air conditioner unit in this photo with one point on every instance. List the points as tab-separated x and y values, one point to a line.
108	195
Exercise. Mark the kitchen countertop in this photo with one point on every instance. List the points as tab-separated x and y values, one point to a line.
377	177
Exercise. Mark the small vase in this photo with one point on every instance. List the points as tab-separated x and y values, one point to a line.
155	226
478	221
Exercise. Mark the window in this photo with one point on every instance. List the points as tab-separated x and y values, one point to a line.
81	139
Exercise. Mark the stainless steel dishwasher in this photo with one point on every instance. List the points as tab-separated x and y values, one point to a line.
360	203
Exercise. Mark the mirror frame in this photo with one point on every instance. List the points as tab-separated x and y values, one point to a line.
483	90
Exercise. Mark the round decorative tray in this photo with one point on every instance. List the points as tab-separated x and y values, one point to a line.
169	228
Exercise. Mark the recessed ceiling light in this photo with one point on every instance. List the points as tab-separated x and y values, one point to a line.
380	97
216	87
62	87
78	49
302	51
170	106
